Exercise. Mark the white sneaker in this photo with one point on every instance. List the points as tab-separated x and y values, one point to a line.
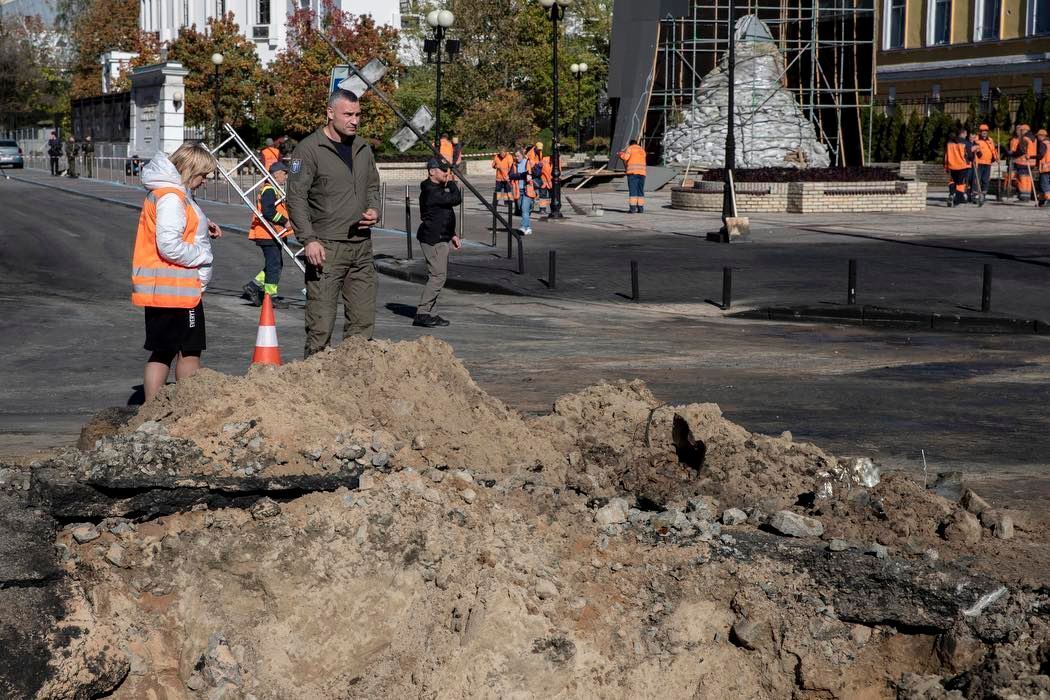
528	231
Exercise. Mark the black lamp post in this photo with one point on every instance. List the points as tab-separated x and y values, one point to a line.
217	59
556	10
728	210
578	69
439	21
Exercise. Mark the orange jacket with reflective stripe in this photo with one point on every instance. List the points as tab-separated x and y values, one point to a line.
548	173
445	147
633	158
154	280
502	166
270	155
532	156
985	152
1027	156
1043	155
957	156
258	231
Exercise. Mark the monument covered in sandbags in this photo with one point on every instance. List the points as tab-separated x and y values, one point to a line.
771	130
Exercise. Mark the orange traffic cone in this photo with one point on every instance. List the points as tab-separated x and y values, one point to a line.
267	352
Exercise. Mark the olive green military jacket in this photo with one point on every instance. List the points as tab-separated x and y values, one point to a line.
325	200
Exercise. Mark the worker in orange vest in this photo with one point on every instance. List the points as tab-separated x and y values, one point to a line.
1023	153
276	213
985	153
958	160
446	149
543	201
633	158
502	162
1042	155
270	154
171	264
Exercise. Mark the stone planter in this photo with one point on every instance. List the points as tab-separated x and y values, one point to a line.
805	197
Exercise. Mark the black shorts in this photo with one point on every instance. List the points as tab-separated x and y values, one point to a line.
175	330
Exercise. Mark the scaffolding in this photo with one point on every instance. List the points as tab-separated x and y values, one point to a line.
828	49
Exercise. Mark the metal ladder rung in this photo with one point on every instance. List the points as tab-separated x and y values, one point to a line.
219	147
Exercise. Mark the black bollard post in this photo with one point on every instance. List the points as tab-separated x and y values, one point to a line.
408	222
510	243
521	256
634	280
510	213
552	268
851	286
986	289
493	219
462	217
727	287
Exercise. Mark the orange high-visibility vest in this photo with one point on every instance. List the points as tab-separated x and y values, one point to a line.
502	167
154	280
270	155
1029	156
532	156
633	158
1044	161
445	147
258	231
987	152
547	173
955	156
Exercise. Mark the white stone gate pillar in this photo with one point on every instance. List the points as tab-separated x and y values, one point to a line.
157	119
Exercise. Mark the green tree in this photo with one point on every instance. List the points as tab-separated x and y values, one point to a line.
297	80
239	77
913	147
1026	108
99	26
973	114
1002	113
503	119
32	82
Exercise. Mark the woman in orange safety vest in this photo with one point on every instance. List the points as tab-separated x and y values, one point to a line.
171	265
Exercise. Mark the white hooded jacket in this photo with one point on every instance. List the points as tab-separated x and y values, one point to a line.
171	220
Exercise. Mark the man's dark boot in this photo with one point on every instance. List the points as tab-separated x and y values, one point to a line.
425	321
641	210
439	321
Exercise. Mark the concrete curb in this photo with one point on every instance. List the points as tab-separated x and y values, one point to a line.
394	267
880	317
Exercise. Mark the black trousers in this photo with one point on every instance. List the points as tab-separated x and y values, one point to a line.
54	164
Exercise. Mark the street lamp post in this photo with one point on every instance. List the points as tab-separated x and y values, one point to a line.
439	21
578	69
556	10
217	59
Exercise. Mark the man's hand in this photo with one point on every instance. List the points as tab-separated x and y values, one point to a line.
315	253
213	230
369	218
456	243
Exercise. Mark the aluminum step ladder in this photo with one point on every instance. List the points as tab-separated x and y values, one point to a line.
248	196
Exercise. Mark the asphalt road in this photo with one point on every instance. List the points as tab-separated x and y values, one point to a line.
72	343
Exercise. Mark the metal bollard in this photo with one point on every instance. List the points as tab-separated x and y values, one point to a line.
851	286
462	218
727	287
634	280
552	268
986	289
510	214
510	243
408	222
382	205
494	220
521	256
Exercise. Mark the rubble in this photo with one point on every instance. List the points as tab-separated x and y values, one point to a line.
580	553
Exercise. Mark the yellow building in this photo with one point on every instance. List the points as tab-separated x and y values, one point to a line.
943	53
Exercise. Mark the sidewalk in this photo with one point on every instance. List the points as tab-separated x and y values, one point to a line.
929	262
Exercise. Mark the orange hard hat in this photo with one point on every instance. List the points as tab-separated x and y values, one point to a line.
983	127
539	145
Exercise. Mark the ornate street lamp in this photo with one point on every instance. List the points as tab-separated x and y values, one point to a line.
578	69
556	11
217	59
439	21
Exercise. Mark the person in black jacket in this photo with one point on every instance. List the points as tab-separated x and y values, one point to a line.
54	152
438	198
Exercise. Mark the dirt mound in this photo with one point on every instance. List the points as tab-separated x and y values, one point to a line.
411	402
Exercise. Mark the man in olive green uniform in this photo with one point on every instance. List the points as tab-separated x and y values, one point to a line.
72	151
333	202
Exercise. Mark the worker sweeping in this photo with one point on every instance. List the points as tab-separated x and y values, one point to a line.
633	158
1023	153
273	254
986	153
958	156
1042	152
